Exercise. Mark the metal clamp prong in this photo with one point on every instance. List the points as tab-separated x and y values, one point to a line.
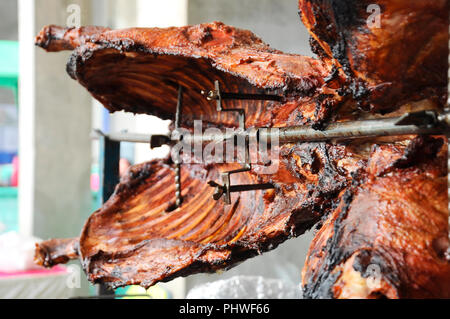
225	189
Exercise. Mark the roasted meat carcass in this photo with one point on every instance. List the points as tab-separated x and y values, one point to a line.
140	237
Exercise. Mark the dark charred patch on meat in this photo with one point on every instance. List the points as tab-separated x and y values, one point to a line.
325	107
316	48
322	286
422	148
359	227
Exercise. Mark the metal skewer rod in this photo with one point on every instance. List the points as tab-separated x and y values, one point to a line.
424	122
218	94
357	129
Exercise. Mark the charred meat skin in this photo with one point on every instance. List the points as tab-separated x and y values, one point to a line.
56	251
393	219
135	70
388	234
390	50
136	237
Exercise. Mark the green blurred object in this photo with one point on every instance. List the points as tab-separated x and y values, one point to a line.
9	66
6	172
138	292
9	78
8	209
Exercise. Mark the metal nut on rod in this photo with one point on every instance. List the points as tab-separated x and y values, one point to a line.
159	140
210	95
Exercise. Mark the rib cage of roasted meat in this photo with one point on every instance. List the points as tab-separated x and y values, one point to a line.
139	71
379	202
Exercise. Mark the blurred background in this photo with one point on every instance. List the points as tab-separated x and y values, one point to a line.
49	175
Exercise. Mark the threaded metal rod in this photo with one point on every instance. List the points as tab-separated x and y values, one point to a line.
303	133
348	130
178	184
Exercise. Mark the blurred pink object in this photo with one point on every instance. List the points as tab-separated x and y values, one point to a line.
15	174
124	165
54	271
95	182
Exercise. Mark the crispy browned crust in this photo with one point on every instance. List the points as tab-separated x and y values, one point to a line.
56	251
394	217
388	235
403	59
53	38
136	237
138	70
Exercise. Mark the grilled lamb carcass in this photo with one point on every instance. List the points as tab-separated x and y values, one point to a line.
137	237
